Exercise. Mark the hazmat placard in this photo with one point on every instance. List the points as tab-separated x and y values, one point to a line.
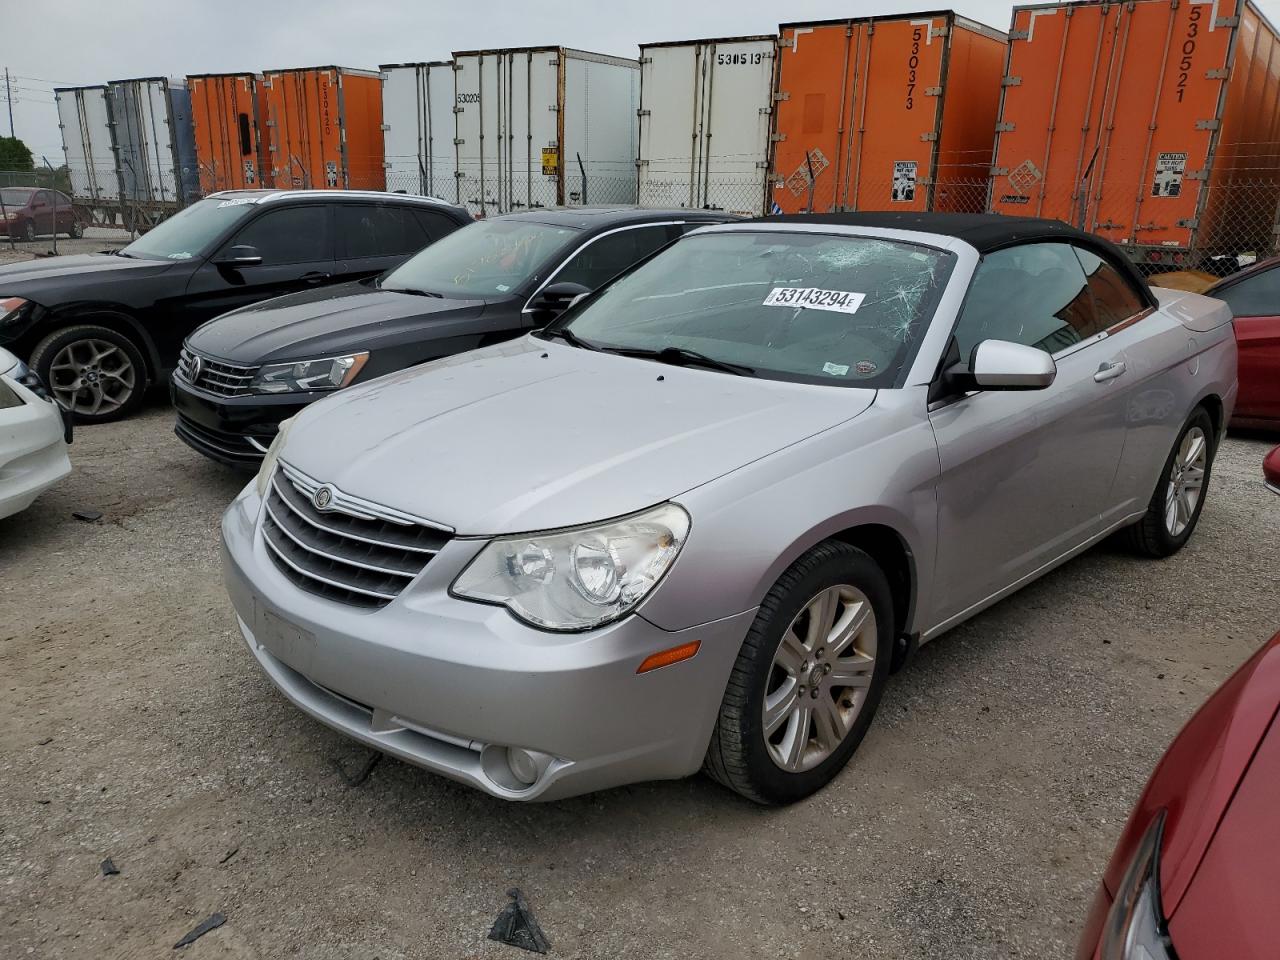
1170	168
550	161
904	181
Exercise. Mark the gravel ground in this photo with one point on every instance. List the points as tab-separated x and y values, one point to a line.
95	240
973	822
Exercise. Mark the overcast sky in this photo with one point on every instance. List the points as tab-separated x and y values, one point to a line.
92	41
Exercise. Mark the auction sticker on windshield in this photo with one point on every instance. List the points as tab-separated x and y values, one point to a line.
813	298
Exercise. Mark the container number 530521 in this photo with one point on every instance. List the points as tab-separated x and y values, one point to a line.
1188	49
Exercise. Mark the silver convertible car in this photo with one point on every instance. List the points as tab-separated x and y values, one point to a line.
697	521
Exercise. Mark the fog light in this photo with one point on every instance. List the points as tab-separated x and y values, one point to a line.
524	765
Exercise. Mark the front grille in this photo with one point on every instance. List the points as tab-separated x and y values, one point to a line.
224	446
215	376
353	552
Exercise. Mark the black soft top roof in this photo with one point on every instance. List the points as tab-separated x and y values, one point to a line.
983	231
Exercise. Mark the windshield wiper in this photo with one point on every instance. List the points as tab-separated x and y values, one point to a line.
413	292
121	253
684	357
569	337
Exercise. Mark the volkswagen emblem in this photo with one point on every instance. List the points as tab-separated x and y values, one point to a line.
322	497
196	368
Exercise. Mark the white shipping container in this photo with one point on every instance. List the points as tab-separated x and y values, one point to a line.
85	120
155	141
419	126
531	122
705	109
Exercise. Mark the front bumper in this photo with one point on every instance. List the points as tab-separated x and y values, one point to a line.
34	453
231	430
448	685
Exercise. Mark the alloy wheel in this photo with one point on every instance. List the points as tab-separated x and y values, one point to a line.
819	678
1186	481
92	377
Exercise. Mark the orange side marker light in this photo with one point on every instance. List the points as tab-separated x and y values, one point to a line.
668	657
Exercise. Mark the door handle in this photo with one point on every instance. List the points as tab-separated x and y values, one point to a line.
314	277
1109	371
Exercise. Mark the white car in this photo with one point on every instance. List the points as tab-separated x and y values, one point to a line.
33	437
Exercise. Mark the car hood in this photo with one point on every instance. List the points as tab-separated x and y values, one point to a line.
30	278
1230	908
316	322
531	435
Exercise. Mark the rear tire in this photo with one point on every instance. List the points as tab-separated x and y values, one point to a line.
97	374
29	232
1174	509
76	231
808	678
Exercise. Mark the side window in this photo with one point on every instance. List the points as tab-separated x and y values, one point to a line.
370	230
1115	300
604	259
1035	294
289	235
62	199
434	224
1255	296
42	198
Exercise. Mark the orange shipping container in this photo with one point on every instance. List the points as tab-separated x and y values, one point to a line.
1153	123
324	128
886	113
224	112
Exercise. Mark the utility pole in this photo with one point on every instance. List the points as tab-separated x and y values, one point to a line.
8	96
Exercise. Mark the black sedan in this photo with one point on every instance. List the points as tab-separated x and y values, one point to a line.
98	328
242	374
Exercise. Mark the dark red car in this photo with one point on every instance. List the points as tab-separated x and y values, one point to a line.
1196	874
30	212
1254	297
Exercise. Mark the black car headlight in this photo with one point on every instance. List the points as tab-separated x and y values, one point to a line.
11	308
329	373
1135	928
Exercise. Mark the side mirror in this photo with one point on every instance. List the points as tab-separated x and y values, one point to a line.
240	255
1001	365
556	298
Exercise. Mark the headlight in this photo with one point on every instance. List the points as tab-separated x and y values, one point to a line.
271	456
327	374
1135	927
577	578
10	307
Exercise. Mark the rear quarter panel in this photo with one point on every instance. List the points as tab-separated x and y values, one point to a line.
1181	355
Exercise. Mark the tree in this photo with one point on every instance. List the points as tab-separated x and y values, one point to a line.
15	155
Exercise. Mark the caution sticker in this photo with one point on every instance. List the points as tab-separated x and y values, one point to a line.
904	181
813	298
1170	168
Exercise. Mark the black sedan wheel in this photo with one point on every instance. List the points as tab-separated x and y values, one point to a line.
93	372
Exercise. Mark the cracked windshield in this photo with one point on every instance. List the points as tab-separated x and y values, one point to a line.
805	307
489	258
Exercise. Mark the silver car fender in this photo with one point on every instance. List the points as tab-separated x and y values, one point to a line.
879	469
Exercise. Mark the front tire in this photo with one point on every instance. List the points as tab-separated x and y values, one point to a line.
808	678
1174	509
94	372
